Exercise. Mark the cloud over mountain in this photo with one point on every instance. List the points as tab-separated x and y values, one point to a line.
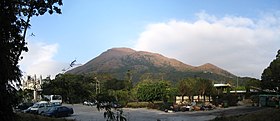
39	60
244	46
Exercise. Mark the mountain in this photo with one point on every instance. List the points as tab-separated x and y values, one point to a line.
142	64
210	68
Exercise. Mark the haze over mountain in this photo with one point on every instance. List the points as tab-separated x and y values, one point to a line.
142	64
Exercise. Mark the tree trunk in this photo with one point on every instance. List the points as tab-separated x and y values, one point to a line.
182	98
6	111
204	97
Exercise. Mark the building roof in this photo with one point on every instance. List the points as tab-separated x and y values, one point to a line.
222	85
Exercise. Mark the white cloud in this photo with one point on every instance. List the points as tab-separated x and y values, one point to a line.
238	44
39	60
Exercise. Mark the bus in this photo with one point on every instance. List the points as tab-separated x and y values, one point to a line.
54	99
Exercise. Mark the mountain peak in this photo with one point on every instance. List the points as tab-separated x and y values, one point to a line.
208	67
115	53
117	61
122	49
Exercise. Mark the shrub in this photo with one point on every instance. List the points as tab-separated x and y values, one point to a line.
137	104
156	105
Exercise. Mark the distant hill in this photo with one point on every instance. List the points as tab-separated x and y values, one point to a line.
142	64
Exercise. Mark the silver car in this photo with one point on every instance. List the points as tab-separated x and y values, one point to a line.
34	109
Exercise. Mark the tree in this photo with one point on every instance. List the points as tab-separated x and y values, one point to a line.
204	87
104	101
122	96
72	88
118	89
27	95
252	83
114	84
183	88
151	91
15	18
145	91
187	87
271	75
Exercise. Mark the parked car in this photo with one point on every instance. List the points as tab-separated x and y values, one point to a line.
26	110
116	105
89	103
86	103
23	106
58	111
44	108
36	106
55	104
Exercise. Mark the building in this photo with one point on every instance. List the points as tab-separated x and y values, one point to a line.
221	88
35	84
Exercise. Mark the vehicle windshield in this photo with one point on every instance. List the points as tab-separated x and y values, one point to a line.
49	105
55	104
36	105
52	109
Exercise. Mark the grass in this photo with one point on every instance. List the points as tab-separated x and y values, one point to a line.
269	114
31	117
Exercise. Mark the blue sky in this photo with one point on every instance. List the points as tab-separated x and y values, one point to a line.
226	33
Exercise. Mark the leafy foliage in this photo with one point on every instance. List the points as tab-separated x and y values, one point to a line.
195	86
271	75
15	18
204	86
72	88
187	87
152	91
104	102
119	89
114	84
252	83
27	95
109	115
121	96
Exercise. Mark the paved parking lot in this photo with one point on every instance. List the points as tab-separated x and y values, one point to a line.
90	113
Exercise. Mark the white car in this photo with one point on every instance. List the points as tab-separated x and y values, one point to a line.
36	106
86	103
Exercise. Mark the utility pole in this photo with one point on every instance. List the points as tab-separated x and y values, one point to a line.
237	81
97	85
129	78
35	88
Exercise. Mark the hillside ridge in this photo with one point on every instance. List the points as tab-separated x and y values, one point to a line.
117	61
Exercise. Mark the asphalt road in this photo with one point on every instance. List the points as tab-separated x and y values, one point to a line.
90	113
